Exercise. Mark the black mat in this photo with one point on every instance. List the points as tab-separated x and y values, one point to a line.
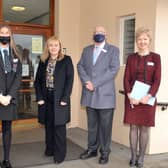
32	154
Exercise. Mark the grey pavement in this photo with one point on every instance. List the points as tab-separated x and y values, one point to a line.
119	156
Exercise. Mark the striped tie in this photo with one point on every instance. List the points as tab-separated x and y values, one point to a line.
7	64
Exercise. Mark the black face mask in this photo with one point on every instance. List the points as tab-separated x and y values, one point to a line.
99	38
4	40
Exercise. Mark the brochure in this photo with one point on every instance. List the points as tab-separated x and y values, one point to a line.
141	89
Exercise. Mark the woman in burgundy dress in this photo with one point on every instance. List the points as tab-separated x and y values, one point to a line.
144	66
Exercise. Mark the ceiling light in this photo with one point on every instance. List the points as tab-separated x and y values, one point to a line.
18	8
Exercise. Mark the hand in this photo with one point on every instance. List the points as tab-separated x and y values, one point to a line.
89	86
8	98
5	100
133	101
145	99
63	103
40	102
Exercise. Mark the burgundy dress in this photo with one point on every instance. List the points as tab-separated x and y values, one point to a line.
146	69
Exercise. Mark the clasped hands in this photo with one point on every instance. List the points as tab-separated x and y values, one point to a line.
89	85
144	100
5	100
41	102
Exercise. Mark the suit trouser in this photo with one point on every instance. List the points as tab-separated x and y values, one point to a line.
6	137
55	134
99	129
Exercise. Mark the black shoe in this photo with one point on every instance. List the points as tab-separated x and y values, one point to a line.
103	159
88	154
49	153
139	165
56	161
132	163
6	164
140	162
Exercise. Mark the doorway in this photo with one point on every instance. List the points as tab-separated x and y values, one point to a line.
30	27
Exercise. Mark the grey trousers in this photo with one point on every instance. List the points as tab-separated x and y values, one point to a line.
99	129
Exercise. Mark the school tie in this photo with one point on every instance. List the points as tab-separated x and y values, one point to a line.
7	64
95	54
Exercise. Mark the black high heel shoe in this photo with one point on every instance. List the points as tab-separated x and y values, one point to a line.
132	163
140	162
139	165
6	164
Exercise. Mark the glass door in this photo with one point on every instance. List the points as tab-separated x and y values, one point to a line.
30	47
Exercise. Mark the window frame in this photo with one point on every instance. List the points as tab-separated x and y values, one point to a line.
25	26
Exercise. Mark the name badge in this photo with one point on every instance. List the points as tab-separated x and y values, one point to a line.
150	63
104	50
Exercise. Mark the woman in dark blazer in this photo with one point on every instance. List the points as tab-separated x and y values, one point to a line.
143	66
10	76
53	84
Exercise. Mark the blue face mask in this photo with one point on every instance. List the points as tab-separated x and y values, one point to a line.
98	38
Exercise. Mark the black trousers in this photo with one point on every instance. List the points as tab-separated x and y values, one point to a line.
99	129
55	134
6	137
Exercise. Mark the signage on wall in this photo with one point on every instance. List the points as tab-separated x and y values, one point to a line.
37	45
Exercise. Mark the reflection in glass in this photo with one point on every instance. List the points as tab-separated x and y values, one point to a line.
30	47
34	11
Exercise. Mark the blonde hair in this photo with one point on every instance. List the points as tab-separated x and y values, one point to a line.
46	53
143	30
12	43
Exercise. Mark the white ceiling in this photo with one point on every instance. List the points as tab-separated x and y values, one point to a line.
34	9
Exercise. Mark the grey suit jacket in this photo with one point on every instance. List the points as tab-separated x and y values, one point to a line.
102	75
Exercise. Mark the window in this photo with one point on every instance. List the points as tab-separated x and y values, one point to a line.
127	37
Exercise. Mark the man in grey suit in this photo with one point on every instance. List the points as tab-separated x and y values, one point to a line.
97	69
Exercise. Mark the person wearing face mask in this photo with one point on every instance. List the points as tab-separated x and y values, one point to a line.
10	75
97	69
